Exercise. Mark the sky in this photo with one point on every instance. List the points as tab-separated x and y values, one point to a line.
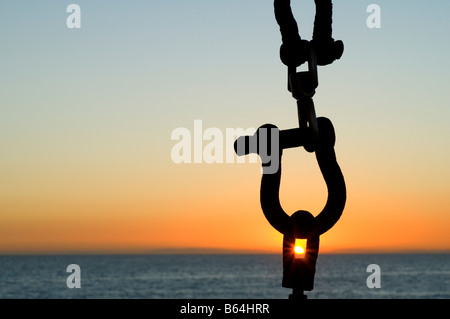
87	115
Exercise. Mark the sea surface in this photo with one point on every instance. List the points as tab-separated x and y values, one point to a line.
220	276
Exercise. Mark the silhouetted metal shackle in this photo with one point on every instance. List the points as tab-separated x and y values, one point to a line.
297	273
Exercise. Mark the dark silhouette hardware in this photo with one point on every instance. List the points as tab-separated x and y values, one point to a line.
314	134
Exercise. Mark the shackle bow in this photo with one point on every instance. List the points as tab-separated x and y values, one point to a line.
314	134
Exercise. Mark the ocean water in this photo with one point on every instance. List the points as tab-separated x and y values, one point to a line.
220	276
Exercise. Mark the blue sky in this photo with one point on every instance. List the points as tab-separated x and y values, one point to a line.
158	65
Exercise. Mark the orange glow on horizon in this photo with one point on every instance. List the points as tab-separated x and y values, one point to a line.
214	207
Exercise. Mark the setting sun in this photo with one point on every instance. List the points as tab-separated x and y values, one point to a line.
300	248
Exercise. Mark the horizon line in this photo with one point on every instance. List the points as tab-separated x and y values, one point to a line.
213	251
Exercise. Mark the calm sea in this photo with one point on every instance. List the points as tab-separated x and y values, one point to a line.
220	276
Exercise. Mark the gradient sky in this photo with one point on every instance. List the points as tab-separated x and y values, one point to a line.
86	117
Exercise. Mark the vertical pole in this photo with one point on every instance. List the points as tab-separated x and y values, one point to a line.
297	295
